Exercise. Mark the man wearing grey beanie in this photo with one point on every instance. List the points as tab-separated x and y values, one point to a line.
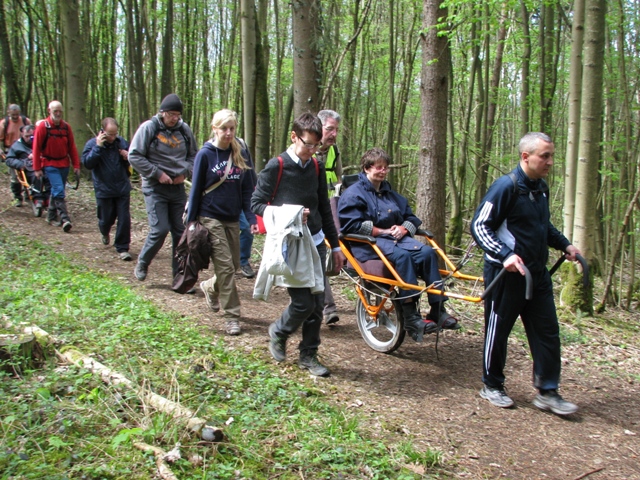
162	151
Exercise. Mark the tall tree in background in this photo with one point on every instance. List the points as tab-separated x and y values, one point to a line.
434	94
248	24
13	93
573	134
75	92
166	80
584	226
306	57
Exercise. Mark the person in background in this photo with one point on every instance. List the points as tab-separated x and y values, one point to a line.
300	180
10	132
513	226
221	190
329	154
162	151
54	153
20	157
372	207
106	156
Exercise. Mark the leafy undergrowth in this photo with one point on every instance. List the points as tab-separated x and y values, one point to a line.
62	421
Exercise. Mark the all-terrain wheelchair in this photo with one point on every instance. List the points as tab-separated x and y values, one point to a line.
37	191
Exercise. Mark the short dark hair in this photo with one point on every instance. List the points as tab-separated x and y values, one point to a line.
372	156
109	121
307	122
26	128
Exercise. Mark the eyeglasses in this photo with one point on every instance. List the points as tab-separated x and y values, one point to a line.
173	114
384	168
310	146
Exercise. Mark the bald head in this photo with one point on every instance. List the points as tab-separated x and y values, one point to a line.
55	110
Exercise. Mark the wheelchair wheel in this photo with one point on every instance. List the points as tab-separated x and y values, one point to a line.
384	332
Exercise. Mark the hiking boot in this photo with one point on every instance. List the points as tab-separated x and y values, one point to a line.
551	400
105	239
141	271
37	208
277	345
497	396
247	271
446	321
413	323
311	363
212	299
331	318
232	327
66	226
17	202
430	326
125	256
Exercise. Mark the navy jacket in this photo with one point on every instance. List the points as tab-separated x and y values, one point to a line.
503	225
229	199
108	168
361	208
17	156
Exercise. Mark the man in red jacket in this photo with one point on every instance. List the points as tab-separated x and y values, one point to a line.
54	152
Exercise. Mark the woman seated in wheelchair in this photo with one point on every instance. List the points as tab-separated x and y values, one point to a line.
371	207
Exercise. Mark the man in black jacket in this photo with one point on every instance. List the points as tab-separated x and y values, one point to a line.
107	158
512	225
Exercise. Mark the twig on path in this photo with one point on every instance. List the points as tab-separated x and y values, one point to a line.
585	475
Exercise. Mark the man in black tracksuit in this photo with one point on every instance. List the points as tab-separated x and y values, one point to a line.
512	225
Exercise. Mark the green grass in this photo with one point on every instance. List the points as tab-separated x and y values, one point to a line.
63	422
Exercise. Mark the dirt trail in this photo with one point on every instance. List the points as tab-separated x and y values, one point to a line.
412	393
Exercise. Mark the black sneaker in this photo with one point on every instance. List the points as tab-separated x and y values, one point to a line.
105	239
497	396
66	226
311	363
247	271
277	345
331	318
551	400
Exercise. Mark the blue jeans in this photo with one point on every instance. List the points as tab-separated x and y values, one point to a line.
58	179
246	240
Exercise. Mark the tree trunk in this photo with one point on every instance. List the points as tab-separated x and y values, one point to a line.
306	57
166	79
525	102
573	134
74	57
263	113
434	94
13	93
248	23
590	137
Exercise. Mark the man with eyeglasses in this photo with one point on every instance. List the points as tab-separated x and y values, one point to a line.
106	156
162	151
296	178
10	132
329	154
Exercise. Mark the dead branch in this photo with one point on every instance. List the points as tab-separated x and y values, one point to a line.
589	473
111	377
163	469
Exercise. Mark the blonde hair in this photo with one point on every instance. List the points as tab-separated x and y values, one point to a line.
220	118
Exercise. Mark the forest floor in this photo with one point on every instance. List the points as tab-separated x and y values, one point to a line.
417	393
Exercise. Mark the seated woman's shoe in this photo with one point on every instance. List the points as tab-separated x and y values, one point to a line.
413	323
439	315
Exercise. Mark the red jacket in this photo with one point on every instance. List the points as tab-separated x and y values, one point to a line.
54	146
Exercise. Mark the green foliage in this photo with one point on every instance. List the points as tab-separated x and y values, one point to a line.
65	423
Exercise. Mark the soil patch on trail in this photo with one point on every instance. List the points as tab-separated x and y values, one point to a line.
416	394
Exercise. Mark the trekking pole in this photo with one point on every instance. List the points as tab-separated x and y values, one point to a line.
528	283
583	262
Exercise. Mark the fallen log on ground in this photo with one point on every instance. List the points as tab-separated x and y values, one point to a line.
186	416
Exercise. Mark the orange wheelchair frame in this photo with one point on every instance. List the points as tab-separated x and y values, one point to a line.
378	309
22	178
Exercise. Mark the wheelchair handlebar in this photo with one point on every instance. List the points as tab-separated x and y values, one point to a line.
583	262
527	278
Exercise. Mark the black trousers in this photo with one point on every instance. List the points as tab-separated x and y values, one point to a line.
111	209
502	307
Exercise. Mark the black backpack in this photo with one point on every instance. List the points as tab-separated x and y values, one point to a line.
7	118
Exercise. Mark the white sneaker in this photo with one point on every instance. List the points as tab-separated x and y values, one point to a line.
497	396
211	298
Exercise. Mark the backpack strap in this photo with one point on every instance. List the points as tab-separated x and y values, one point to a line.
158	127
281	166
